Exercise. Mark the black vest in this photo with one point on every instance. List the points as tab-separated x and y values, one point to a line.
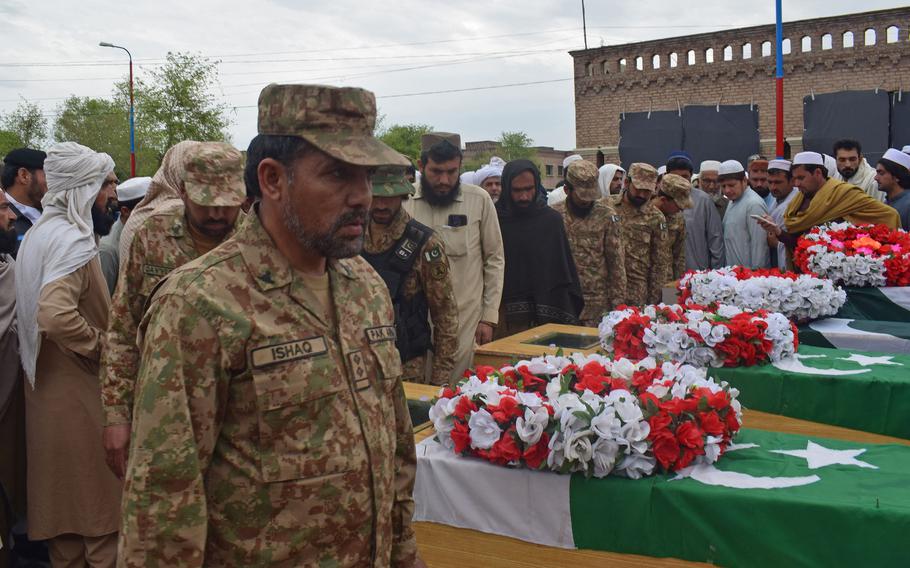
412	316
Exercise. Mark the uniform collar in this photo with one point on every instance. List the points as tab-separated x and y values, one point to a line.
268	267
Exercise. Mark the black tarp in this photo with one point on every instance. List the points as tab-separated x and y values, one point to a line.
650	139
900	120
859	115
728	132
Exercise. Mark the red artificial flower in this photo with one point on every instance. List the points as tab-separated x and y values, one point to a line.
648	401
531	382
711	423
506	411
731	422
642	379
463	407
659	422
510	379
665	448
690	435
686	458
447	392
505	450
537	454
461	435
483	372
594	383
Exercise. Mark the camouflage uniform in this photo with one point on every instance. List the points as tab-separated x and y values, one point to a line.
214	177
679	190
644	233
431	276
597	246
264	433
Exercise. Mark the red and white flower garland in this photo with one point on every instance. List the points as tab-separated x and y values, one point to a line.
856	255
725	336
797	296
588	414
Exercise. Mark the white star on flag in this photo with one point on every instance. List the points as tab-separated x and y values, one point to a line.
819	456
866	361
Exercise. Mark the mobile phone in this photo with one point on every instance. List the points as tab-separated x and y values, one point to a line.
458	220
757	217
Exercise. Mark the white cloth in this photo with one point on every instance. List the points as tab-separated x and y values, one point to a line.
558	195
31	213
605	176
569	159
776	211
467	177
488	171
63	239
864	178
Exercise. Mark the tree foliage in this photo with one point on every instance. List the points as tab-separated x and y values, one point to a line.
28	125
511	146
8	141
405	138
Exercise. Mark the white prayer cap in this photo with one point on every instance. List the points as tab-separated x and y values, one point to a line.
497	161
662	170
730	167
488	171
779	164
830	164
570	159
133	188
897	157
809	159
467	177
906	149
709	166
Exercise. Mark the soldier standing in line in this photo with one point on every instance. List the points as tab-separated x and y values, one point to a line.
412	262
595	236
270	424
211	191
672	198
644	234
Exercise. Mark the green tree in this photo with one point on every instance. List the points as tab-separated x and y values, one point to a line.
405	138
8	141
27	123
516	146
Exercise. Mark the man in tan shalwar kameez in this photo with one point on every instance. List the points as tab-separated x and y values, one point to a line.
62	305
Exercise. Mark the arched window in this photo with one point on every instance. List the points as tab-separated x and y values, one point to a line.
728	53
827	41
605	67
869	37
640	63
766	49
690	57
847	39
747	51
621	65
709	55
805	44
655	61
673	59
589	69
892	35
786	48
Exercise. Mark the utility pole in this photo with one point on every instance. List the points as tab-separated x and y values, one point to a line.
584	24
132	122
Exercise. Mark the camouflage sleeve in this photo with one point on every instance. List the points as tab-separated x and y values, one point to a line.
616	263
679	252
180	393
661	263
436	280
404	542
120	359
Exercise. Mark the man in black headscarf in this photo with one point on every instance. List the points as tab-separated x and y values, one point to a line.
541	283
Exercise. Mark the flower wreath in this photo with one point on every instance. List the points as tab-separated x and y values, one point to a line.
856	255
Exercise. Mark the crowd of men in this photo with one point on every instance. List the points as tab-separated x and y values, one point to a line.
205	367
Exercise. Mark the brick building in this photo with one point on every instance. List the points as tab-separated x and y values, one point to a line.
548	159
865	51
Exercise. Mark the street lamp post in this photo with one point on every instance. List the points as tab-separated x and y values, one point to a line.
132	123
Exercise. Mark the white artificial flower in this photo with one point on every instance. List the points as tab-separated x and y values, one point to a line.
605	424
531	426
484	430
579	447
529	399
635	465
603	456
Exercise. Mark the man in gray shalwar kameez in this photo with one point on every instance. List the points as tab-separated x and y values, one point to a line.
745	242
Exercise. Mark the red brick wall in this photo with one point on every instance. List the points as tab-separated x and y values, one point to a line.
603	91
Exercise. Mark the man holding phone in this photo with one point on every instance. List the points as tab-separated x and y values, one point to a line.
464	218
745	242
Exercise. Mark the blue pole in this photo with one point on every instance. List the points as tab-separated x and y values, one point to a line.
779	80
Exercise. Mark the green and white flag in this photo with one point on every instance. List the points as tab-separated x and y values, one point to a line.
772	499
864	335
878	304
865	391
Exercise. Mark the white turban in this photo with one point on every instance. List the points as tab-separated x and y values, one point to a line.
467	177
569	160
63	239
605	177
498	162
709	166
488	171
831	166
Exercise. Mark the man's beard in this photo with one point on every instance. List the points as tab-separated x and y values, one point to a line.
8	241
103	219
761	191
847	173
34	193
578	210
437	199
327	244
637	202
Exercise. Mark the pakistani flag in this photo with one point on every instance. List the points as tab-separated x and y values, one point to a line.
864	335
879	304
772	499
865	391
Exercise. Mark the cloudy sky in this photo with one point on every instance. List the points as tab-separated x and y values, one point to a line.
408	52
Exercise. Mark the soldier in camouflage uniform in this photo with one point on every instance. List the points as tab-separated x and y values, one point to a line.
672	197
270	425
595	236
412	261
211	193
644	234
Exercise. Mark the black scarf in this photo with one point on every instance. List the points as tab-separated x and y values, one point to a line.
541	282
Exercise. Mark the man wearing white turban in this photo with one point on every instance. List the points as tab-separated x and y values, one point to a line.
610	179
489	177
62	306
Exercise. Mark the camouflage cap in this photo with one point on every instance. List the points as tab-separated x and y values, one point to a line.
582	175
337	120
678	189
430	139
389	181
214	175
643	176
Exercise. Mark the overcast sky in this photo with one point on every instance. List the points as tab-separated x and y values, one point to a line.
393	48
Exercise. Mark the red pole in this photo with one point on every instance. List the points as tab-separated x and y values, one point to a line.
780	117
132	126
